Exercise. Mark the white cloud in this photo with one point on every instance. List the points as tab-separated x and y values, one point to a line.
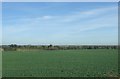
47	17
88	14
40	22
63	26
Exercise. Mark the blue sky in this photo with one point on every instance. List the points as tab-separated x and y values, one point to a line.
60	23
60	0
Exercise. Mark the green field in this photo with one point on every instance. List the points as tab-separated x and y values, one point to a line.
61	63
0	64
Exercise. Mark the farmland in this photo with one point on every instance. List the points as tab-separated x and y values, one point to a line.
0	64
61	63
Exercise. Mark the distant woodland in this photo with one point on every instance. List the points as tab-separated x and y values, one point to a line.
14	47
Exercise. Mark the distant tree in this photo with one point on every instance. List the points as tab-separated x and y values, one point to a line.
50	46
13	45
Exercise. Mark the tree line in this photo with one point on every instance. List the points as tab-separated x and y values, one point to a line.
14	47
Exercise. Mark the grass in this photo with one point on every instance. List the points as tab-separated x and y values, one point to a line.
60	63
0	64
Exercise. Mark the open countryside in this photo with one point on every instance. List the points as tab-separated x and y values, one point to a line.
59	39
60	63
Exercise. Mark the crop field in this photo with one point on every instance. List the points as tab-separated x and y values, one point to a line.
0	64
61	63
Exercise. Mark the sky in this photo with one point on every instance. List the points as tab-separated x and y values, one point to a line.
60	0
60	23
0	23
